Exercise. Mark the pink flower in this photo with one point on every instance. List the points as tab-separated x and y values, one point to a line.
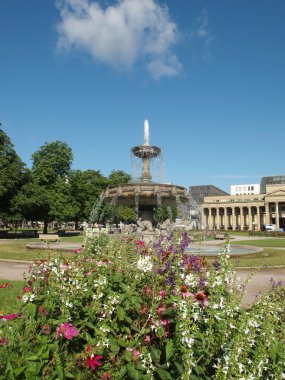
162	293
202	298
26	289
67	330
9	317
161	310
136	355
147	339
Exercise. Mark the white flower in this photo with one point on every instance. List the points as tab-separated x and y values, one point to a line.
145	264
190	280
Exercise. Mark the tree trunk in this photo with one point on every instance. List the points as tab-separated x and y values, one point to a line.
45	231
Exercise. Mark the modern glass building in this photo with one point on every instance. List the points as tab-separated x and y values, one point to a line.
271	180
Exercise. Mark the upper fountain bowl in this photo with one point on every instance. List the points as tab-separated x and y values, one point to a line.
146	151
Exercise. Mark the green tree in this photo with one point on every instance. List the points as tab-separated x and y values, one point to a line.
86	187
12	175
52	161
118	177
127	214
47	196
162	213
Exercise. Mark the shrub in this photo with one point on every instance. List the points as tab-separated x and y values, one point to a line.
126	310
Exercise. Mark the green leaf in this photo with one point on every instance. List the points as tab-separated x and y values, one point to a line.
33	358
132	372
9	371
160	332
163	374
18	371
121	313
169	350
155	354
194	377
122	342
122	373
128	356
31	309
117	277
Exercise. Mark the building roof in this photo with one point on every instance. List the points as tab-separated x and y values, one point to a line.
199	192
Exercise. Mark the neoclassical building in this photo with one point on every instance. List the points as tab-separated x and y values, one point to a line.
246	212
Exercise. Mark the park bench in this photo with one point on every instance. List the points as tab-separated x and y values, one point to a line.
220	237
49	237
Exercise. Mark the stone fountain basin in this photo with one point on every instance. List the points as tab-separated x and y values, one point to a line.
147	193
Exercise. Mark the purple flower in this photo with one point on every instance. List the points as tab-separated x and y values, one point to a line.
216	265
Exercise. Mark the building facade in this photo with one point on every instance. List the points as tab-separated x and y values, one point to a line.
245	189
245	212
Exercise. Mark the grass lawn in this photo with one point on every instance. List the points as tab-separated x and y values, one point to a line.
274	242
16	249
8	296
269	257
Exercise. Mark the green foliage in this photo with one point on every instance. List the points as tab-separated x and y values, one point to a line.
86	186
162	213
47	196
52	161
12	175
118	177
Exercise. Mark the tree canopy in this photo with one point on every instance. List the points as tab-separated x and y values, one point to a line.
12	174
52	161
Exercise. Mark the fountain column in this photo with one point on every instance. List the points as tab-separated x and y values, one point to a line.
146	177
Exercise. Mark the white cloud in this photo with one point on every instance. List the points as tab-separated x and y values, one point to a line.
203	30
122	34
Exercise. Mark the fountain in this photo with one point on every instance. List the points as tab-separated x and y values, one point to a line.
144	194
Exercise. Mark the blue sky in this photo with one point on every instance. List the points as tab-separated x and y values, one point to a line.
208	75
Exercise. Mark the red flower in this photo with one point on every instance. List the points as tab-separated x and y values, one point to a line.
6	285
26	289
140	243
9	317
92	360
67	330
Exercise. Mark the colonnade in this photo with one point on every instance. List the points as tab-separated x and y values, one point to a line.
243	217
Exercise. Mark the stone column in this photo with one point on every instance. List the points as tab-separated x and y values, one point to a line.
225	219
277	214
249	218
218	218
234	219
267	213
241	218
258	218
210	218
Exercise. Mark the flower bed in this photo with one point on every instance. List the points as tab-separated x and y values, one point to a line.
126	310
